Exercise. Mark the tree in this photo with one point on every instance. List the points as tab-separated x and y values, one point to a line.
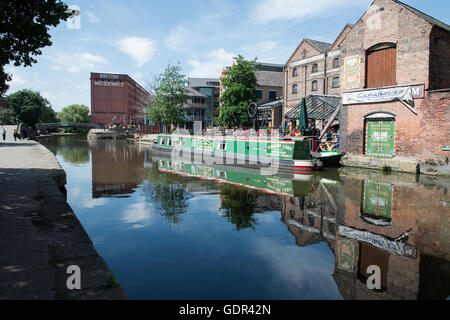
5	116
24	27
170	96
75	113
29	107
238	205
239	84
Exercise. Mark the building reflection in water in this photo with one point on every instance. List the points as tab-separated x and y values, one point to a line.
117	168
390	221
365	218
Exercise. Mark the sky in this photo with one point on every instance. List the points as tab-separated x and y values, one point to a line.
141	37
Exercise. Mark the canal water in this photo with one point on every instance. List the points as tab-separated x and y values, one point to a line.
180	231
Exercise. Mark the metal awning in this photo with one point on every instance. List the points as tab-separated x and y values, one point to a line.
319	107
265	110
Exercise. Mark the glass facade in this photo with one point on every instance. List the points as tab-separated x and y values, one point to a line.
209	104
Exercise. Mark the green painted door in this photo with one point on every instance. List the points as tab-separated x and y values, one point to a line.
378	198
380	138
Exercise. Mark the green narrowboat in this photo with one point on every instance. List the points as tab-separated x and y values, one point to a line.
287	153
330	159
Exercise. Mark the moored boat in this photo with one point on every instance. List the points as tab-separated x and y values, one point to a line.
329	158
289	153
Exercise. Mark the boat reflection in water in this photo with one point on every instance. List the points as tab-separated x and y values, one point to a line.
366	218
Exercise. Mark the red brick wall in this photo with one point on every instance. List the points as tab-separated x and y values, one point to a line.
419	136
124	101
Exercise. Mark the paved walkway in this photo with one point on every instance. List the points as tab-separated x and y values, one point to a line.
40	235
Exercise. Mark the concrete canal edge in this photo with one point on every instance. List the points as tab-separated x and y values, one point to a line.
397	164
40	234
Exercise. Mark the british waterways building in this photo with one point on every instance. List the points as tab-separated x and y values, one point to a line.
117	99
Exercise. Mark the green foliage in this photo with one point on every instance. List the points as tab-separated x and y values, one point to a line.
239	84
238	205
168	195
75	114
5	116
170	97
24	29
29	107
112	281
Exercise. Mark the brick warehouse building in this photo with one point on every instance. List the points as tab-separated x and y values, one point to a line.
117	99
313	68
395	84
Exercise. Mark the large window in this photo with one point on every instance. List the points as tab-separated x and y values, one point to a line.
314	86
295	72
381	65
315	68
294	89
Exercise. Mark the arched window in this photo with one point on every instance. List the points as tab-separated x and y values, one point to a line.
294	89
336	82
315	68
336	63
314	86
295	72
381	65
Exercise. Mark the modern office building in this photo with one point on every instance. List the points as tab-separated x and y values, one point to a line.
117	99
209	87
195	110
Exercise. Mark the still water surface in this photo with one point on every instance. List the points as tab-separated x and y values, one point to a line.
169	231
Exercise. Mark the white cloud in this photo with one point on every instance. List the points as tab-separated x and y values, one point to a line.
92	17
138	215
140	50
177	38
264	50
269	10
212	66
77	62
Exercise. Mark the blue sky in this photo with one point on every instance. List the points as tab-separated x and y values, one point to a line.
140	37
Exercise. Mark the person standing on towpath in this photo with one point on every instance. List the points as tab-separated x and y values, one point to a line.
4	134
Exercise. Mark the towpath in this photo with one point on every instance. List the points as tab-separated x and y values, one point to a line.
40	235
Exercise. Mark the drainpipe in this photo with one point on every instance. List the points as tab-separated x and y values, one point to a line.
325	74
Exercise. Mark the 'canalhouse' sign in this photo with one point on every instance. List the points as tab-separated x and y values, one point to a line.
407	93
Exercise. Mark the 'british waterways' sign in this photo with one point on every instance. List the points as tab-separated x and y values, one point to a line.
379	95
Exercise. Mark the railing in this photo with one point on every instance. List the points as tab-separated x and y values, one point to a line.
66	125
196	118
